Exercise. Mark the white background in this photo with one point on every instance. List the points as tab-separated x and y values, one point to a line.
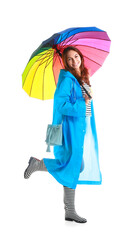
33	209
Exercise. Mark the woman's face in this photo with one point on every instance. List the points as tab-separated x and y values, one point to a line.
73	60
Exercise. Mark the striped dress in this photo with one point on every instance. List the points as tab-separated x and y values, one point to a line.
88	106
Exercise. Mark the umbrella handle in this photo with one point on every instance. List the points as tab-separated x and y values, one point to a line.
87	92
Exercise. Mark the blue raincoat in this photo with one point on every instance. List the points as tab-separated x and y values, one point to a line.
77	160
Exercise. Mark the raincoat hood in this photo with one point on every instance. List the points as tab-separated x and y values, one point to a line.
66	74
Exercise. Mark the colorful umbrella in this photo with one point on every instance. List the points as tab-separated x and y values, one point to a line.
40	76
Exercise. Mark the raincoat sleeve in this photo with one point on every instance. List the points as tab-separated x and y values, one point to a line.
66	106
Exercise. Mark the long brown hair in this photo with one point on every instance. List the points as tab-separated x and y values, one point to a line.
84	71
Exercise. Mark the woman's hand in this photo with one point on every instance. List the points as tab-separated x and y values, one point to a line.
87	99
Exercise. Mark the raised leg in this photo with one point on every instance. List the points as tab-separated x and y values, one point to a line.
34	165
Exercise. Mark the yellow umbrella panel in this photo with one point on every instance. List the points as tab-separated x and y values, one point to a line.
37	78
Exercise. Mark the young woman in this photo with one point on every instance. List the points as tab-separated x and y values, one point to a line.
77	160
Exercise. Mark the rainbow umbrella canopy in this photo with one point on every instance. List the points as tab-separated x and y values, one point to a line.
40	76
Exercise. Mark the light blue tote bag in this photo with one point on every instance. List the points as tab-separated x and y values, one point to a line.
53	135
